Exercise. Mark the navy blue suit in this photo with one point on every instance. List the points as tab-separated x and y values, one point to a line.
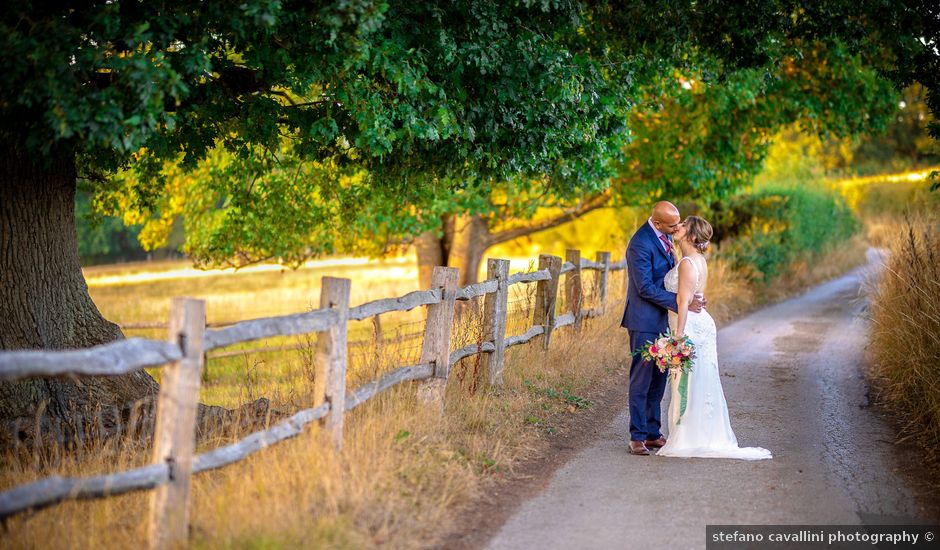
645	316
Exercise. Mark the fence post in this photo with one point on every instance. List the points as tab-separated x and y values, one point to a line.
175	435
603	276
437	335
330	376
494	319
546	296
626	276
574	294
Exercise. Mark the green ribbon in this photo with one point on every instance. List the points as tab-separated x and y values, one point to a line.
683	393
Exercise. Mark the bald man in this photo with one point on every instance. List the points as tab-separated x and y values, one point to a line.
650	256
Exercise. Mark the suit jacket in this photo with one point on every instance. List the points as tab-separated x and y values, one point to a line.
647	298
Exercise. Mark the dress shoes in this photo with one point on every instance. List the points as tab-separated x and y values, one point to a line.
638	448
656	443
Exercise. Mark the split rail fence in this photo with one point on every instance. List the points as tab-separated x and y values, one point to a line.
182	358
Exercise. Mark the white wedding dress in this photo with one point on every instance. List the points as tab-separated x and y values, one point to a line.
699	425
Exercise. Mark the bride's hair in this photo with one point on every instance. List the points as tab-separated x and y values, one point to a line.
698	232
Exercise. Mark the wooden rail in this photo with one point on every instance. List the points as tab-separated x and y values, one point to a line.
189	338
256	329
118	357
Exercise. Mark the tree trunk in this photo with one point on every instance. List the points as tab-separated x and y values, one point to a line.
44	303
429	248
465	238
462	244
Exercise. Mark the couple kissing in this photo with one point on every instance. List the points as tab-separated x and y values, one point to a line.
665	298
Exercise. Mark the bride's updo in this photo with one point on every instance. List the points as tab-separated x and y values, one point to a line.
698	232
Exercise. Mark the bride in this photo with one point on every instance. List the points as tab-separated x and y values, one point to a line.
698	414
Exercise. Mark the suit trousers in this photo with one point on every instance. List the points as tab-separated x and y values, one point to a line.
647	386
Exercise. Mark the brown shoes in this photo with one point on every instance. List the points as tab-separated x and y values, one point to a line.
643	449
638	448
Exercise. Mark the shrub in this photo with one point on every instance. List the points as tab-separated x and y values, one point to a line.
761	233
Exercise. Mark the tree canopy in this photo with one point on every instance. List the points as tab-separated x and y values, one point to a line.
290	129
284	129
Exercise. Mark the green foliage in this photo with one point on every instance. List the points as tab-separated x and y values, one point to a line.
763	232
408	90
905	143
103	238
316	126
701	138
797	157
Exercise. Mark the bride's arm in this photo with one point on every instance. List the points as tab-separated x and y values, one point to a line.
684	296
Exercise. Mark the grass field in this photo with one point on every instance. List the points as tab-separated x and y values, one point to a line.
135	294
404	471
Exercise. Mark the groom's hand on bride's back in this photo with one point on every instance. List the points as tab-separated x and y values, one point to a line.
698	303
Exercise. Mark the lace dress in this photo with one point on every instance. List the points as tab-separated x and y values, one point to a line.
699	425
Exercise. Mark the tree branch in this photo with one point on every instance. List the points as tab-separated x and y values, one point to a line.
592	203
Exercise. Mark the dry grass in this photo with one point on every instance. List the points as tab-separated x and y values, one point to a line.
398	483
906	329
730	294
817	268
404	471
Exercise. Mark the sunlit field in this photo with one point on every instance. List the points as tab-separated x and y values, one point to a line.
404	472
137	297
140	293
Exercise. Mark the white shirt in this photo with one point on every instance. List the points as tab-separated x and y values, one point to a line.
659	235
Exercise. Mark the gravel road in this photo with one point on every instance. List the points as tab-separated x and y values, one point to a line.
791	375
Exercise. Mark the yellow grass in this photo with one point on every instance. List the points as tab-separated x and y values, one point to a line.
404	472
906	328
399	482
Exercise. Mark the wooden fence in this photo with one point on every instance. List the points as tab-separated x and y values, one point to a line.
183	358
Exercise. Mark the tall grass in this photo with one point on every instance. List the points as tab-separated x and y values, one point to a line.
906	328
399	481
404	472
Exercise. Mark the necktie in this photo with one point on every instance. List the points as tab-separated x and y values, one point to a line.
666	242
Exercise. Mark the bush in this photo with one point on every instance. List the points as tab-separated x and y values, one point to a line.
906	329
106	239
761	233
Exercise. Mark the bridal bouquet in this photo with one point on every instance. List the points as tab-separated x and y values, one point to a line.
670	352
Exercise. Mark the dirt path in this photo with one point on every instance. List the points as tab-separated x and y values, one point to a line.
791	375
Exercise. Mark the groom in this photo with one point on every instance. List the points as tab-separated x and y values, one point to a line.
649	258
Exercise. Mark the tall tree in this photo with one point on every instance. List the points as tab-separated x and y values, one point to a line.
698	129
422	95
406	107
